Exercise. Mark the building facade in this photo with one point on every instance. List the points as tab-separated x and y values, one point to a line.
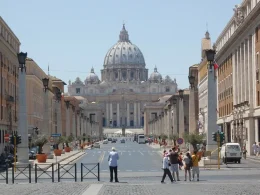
203	85
125	85
238	75
169	116
9	47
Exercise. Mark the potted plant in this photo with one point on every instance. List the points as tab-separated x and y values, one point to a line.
67	141
57	151
40	141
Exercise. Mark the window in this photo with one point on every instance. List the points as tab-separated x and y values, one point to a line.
167	89
77	90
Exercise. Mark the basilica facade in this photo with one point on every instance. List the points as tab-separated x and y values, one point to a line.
125	85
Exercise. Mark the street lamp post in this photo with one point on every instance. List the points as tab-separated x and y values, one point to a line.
45	82
192	118
22	122
212	100
181	113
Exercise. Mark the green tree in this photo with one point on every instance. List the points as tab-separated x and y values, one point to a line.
194	139
163	136
40	141
174	137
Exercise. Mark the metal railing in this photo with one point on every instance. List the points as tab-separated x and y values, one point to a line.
90	170
22	171
4	173
67	171
40	172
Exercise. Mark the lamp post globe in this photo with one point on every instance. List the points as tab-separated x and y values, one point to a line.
210	54
174	101
22	58
58	95
192	80
181	92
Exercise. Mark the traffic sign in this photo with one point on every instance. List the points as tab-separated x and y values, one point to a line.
6	138
55	135
180	141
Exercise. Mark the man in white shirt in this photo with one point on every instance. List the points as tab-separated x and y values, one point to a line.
113	157
165	168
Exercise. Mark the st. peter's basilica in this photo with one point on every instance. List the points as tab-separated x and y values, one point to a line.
125	85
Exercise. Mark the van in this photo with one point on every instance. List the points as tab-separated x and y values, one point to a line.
231	152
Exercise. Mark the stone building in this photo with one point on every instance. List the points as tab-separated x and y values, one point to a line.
169	115
9	47
125	85
238	48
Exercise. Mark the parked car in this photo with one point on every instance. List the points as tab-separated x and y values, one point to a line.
32	153
96	145
122	141
113	141
109	139
105	142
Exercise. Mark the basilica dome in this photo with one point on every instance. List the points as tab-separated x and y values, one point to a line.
124	52
92	78
155	76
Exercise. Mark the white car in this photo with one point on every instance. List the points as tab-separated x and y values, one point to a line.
96	145
105	142
231	152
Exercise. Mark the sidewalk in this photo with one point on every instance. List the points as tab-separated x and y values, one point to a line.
64	159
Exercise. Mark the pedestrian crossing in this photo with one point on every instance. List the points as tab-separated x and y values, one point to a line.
126	170
127	152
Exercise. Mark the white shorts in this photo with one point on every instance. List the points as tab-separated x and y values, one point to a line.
174	168
195	170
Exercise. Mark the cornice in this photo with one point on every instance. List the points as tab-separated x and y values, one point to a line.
240	30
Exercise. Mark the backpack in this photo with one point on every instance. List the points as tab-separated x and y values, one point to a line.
191	162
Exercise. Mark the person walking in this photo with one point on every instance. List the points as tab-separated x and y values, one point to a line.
113	157
195	165
255	148
166	170
174	164
187	165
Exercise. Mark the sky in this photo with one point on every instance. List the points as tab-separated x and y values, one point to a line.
72	36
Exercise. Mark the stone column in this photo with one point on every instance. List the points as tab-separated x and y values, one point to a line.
68	121
135	113
192	117
111	114
138	114
118	115
128	114
73	124
59	125
22	116
212	105
107	114
175	125
78	124
181	117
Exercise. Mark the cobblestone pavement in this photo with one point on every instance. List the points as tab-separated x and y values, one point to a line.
66	188
193	188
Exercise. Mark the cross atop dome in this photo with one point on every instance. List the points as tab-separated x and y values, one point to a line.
123	36
92	70
155	69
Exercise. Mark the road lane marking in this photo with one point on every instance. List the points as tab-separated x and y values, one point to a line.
141	153
93	189
154	170
101	158
129	153
121	153
129	170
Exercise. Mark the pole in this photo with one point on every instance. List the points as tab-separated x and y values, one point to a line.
218	141
14	153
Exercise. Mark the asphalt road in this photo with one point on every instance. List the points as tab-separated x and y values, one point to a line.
133	157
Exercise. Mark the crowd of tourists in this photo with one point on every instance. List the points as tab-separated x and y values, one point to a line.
174	161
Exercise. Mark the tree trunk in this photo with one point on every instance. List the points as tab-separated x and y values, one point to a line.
194	147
